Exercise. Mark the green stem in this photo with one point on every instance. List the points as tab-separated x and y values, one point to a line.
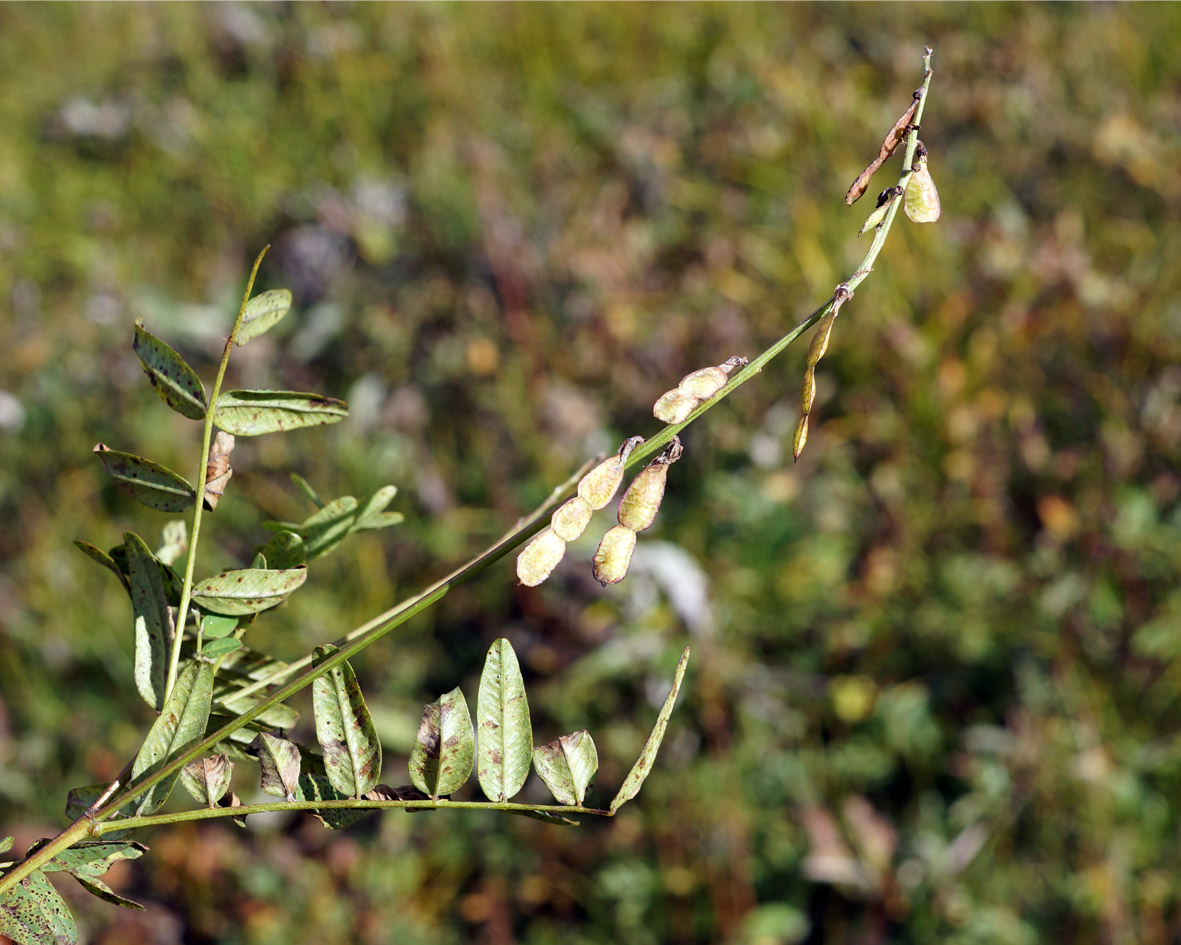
206	438
159	820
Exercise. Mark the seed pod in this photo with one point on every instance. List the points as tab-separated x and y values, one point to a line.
598	487
570	519
639	505
674	406
614	555
816	350
218	469
703	384
540	557
922	199
738	361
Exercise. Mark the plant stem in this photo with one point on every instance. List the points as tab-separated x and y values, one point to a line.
159	820
206	438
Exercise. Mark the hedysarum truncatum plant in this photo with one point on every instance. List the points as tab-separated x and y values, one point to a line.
221	702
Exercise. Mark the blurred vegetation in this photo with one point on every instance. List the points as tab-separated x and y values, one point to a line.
936	694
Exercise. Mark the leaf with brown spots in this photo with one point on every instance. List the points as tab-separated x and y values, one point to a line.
344	728
254	412
445	747
635	778
249	591
505	734
177	384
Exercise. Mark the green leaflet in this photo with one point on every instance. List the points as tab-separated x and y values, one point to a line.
154	622
96	887
149	483
262	313
328	527
180	724
218	648
444	748
567	766
32	913
635	777
94	553
285	550
249	591
254	412
344	728
93	857
504	745
177	384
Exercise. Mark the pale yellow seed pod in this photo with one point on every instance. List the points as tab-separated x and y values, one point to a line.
641	502
674	406
598	487
614	555
639	505
540	557
922	198
571	518
703	384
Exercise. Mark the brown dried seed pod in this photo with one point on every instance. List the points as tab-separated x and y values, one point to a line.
674	406
571	518
614	555
540	557
801	437
703	384
738	361
218	469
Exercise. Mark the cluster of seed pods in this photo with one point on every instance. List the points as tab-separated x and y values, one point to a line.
598	487
674	406
816	350
637	511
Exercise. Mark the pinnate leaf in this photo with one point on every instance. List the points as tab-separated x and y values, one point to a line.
149	483
154	623
254	412
262	313
642	767
180	724
444	749
567	766
249	591
32	913
177	384
505	734
344	728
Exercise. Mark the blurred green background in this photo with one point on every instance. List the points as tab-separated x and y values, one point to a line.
935	694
